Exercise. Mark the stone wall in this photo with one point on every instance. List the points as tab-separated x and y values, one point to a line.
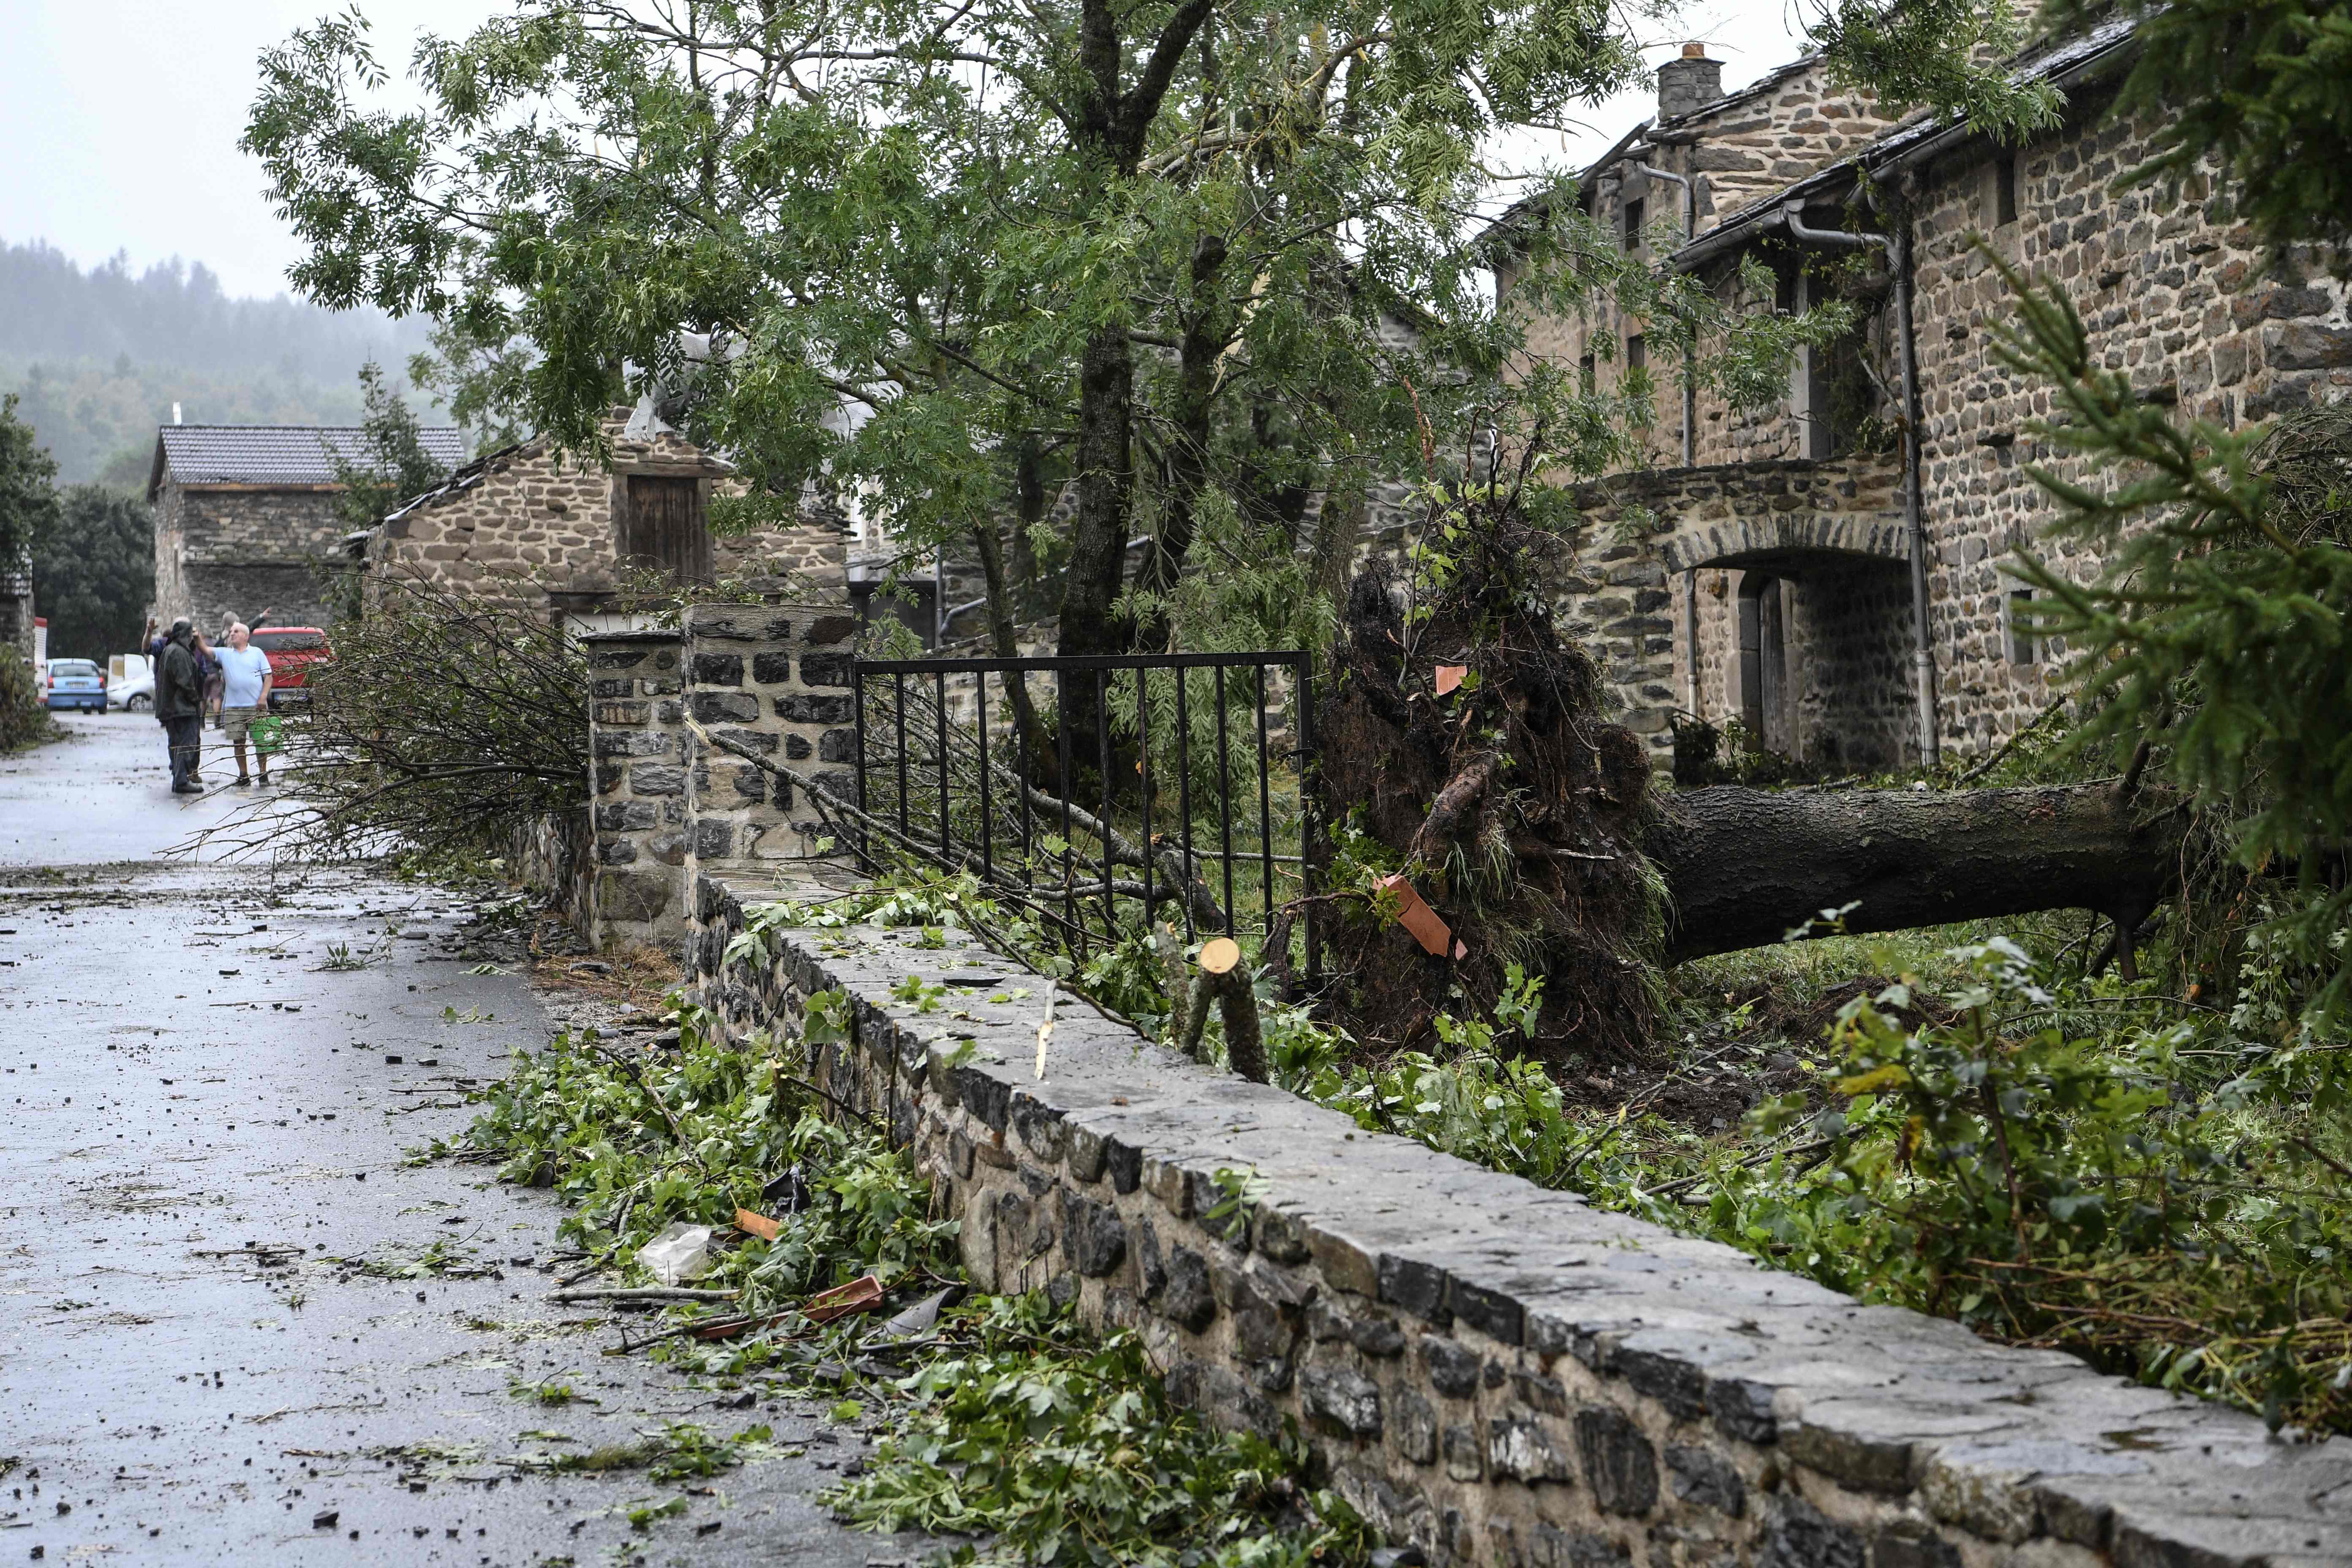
778	682
637	786
556	854
228	552
665	806
1832	529
533	522
2173	294
1495	1372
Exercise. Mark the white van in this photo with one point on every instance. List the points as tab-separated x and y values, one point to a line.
130	683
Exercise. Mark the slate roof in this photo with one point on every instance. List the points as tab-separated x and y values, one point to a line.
276	454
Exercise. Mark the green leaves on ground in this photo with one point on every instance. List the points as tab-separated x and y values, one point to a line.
1068	1452
637	1141
1007	1419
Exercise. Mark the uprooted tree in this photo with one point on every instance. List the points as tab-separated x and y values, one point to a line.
1464	737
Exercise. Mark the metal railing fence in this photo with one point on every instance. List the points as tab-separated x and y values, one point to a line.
1139	781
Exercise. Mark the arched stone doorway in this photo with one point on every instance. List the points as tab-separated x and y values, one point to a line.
1814	649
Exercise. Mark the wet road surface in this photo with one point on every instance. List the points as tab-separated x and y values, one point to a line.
201	1112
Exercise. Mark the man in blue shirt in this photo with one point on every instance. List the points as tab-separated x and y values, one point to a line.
245	696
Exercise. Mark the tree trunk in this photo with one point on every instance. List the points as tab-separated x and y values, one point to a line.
1004	637
1187	475
1105	477
1745	867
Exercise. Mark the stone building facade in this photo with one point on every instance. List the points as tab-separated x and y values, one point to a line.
1764	575
561	533
246	518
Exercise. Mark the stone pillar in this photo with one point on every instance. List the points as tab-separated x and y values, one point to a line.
775	679
637	776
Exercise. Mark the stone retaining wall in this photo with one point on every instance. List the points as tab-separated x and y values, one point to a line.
1495	1372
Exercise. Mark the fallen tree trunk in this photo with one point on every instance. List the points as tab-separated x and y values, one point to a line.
1744	866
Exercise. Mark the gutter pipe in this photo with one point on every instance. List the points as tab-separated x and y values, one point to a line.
1898	258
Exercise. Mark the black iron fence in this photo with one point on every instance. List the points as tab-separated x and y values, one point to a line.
1098	792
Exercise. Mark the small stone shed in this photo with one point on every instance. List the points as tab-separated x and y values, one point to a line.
245	519
561	531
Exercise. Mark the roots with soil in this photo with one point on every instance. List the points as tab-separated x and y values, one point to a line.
1516	807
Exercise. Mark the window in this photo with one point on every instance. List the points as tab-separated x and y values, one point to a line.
2022	647
289	642
2004	192
1634	211
662	528
1587	375
1637	352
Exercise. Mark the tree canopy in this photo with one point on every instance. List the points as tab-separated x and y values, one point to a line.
29	494
1200	261
94	573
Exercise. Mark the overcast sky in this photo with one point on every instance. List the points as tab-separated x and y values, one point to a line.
121	117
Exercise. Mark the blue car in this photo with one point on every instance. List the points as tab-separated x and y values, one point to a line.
76	683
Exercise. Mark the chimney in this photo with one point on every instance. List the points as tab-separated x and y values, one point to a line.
175	414
1689	83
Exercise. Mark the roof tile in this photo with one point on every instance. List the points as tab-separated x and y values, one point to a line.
282	453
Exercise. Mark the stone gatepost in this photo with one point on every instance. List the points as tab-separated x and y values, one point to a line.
776	680
637	803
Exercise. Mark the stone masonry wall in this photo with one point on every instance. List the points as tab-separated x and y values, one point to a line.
228	552
637	803
533	522
2172	294
1495	1372
776	680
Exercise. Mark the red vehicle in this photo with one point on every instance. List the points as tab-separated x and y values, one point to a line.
292	651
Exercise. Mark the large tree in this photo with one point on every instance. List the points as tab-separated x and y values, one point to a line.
94	573
1158	252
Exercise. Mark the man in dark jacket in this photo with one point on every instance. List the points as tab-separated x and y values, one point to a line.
180	706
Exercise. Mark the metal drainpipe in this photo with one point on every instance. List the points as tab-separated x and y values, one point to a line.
1898	261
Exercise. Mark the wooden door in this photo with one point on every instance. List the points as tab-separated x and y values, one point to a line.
662	527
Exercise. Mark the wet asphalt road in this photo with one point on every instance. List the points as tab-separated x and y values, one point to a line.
197	1118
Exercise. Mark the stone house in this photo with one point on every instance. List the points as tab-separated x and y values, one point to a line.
1765	566
246	518
561	533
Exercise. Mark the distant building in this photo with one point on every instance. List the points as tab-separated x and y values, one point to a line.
246	518
531	522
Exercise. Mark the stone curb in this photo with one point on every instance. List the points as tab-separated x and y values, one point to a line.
1495	1372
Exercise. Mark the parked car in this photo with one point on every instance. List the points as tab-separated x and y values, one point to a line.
76	683
130	683
293	652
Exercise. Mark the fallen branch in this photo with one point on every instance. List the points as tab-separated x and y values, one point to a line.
655	1293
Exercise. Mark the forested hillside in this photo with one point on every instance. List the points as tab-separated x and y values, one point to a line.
99	356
